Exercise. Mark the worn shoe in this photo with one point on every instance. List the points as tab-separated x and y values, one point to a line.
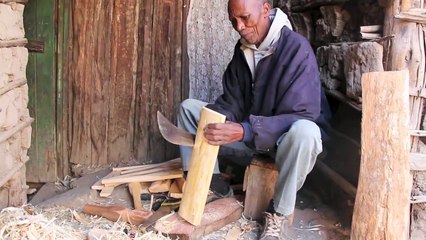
220	187
275	227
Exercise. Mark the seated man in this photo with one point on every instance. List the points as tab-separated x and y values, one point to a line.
273	103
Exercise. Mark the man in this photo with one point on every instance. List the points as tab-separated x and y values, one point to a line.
273	103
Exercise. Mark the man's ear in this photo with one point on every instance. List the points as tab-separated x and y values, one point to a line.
266	7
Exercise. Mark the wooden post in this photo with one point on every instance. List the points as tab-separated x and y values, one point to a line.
259	184
383	198
200	170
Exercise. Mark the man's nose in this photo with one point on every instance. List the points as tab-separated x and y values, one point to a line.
240	25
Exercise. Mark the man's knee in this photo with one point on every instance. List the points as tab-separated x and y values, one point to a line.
304	130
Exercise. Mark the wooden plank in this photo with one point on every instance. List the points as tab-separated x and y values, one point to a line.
418	161
98	185
13	43
160	71
371	28
418	199
337	179
160	186
144	178
384	182
106	191
200	170
416	15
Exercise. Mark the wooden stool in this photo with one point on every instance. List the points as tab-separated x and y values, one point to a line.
259	184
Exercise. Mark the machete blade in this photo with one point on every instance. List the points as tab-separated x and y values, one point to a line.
173	134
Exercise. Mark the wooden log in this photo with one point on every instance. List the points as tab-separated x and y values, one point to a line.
217	214
259	182
200	171
384	182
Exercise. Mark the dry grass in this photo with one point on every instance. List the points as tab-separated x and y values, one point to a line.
63	223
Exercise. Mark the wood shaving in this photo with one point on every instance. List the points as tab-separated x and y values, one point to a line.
62	223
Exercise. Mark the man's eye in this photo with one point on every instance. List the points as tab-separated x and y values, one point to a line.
246	17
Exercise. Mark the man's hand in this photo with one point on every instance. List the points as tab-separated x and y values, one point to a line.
223	133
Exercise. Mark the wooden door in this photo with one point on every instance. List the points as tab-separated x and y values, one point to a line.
39	22
124	63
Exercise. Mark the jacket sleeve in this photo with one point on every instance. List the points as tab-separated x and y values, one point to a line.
300	100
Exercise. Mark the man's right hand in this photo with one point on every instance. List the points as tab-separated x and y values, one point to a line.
223	133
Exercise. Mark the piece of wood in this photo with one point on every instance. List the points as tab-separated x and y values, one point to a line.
181	184
370	35
371	29
98	184
160	186
416	15
151	171
129	169
144	178
200	170
4	135
337	179
384	184
12	85
135	190
106	191
116	213
174	190
260	178
12	172
216	215
13	43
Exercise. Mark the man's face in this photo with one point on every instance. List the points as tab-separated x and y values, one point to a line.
250	18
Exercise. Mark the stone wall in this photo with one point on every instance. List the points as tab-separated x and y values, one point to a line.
15	129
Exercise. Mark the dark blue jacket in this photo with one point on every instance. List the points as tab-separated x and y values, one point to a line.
286	88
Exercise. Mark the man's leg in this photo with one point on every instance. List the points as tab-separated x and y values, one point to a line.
296	155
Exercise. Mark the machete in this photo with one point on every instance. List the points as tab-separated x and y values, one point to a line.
173	134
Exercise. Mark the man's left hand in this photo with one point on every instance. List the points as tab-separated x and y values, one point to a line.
223	133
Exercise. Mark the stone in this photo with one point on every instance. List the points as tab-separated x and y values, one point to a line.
11	21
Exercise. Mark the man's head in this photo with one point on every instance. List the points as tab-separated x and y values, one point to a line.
250	18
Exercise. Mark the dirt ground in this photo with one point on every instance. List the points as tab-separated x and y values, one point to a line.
313	219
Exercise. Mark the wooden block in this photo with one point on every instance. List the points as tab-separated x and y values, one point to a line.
135	190
216	215
200	170
98	185
385	183
259	182
160	186
174	190
106	191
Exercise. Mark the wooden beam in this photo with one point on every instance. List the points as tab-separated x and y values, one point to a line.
9	133
337	179
384	184
144	178
13	43
200	171
12	85
417	15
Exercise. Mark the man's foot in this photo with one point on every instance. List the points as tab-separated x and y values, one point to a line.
275	227
220	187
